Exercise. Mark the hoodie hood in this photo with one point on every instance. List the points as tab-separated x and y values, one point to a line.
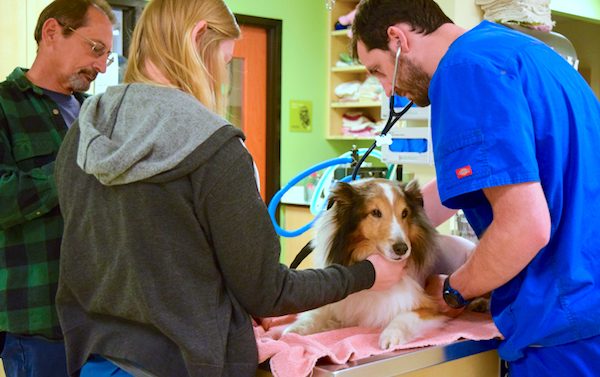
136	131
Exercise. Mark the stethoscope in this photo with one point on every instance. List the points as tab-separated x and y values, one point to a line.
393	117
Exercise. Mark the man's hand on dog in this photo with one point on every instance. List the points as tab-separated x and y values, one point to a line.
434	288
387	272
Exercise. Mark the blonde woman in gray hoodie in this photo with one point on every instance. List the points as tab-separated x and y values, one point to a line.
168	248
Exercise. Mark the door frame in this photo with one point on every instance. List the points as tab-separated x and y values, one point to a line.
273	28
132	10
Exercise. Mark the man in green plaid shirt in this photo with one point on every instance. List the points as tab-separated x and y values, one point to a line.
36	108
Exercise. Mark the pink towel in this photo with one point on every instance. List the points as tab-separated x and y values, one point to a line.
294	355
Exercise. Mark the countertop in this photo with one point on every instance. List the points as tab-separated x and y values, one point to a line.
405	361
455	358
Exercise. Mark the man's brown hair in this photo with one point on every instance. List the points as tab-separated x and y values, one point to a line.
374	17
71	13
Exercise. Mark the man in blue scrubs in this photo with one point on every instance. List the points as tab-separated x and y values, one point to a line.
516	137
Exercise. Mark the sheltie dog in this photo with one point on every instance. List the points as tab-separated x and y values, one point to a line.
378	215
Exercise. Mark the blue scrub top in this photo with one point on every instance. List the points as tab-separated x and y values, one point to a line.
506	109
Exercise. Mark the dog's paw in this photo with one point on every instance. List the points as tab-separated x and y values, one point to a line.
394	336
479	305
311	326
299	327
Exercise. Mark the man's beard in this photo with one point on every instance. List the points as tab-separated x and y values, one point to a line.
414	81
80	81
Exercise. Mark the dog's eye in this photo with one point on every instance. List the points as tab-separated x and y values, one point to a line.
376	213
404	213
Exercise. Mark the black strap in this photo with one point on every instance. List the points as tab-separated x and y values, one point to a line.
306	250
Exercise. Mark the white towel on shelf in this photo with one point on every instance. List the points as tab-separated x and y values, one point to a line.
532	12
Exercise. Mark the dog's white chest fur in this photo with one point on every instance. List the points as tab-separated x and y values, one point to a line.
378	308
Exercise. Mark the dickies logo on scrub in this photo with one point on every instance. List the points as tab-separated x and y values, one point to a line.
463	172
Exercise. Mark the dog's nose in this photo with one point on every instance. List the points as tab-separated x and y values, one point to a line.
400	248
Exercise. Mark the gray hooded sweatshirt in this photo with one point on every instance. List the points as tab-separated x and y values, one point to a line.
168	248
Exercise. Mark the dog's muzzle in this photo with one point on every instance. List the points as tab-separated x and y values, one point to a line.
400	248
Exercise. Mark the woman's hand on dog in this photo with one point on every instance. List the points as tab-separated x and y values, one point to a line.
387	272
434	288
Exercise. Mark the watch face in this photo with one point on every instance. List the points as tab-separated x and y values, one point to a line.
452	300
452	297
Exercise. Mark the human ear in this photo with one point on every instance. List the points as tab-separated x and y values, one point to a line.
397	38
198	30
50	30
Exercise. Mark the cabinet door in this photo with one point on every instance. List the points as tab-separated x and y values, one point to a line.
13	44
295	217
34	8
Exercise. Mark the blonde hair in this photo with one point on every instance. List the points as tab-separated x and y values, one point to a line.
163	36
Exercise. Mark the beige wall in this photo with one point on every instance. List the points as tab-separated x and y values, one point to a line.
12	36
463	13
18	19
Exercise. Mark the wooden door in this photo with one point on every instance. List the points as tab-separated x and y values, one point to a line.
248	107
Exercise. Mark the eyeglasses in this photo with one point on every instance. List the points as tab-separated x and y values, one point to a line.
98	48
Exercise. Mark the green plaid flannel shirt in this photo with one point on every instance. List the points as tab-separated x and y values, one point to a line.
31	131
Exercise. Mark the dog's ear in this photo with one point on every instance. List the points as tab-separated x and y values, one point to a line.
330	203
341	193
345	217
413	192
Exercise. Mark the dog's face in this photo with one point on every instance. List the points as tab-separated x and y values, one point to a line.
376	215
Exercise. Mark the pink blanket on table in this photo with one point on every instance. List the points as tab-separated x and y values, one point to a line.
293	355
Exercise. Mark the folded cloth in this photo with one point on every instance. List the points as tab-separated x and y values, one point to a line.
370	90
530	13
355	121
348	90
293	355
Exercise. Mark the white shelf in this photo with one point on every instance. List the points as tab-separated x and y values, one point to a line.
350	69
350	137
415	113
340	33
346	105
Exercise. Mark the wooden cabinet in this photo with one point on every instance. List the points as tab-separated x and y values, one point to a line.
466	15
296	216
339	43
374	106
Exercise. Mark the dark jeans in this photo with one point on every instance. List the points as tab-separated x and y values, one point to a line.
25	356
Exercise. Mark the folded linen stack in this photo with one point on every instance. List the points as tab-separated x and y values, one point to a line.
353	91
370	90
534	14
356	123
348	91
